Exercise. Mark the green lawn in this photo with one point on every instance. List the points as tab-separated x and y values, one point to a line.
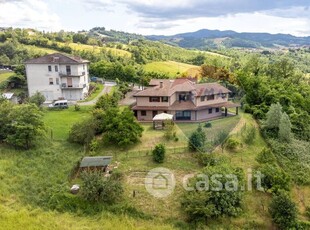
171	68
59	122
5	75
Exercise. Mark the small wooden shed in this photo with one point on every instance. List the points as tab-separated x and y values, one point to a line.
95	163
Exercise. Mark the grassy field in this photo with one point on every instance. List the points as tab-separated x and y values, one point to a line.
171	68
5	75
34	185
40	49
116	52
60	121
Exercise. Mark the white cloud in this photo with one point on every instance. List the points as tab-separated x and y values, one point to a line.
28	13
243	22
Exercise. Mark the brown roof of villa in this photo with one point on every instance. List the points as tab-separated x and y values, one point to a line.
57	58
167	87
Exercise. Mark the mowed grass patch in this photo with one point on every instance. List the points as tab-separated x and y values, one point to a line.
224	124
171	68
59	122
4	75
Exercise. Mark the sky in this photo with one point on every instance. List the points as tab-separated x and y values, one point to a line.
159	17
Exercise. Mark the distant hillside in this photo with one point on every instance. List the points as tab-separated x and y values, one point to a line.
212	39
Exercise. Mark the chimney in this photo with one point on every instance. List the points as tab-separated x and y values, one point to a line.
161	84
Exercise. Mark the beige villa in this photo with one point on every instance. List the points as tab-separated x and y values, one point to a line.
184	99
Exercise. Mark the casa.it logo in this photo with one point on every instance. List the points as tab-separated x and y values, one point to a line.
160	182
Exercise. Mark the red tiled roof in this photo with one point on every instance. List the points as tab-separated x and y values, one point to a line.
166	87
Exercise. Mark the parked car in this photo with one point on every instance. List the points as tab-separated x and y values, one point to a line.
63	104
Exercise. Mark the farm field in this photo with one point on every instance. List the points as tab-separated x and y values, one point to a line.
171	68
40	49
117	52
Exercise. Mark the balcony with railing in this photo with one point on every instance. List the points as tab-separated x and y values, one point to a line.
72	86
70	74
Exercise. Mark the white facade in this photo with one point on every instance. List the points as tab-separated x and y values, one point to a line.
56	81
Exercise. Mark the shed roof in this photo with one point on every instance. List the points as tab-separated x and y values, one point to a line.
8	95
99	161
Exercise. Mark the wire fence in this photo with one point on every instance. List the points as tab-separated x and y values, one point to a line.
119	155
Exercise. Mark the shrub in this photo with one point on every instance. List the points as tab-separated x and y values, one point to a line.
159	153
232	143
249	134
94	145
221	138
308	212
204	204
197	140
37	99
285	127
121	127
25	125
266	156
170	131
77	107
208	125
82	132
97	188
209	159
247	108
274	178
283	211
274	116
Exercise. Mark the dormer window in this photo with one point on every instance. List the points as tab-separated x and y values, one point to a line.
202	98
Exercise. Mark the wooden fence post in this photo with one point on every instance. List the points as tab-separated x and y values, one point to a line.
52	134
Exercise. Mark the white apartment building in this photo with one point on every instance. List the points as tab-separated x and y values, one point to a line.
58	76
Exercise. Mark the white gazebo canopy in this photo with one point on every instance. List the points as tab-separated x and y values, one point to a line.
163	117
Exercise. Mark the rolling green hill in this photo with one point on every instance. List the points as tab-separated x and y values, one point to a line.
171	68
